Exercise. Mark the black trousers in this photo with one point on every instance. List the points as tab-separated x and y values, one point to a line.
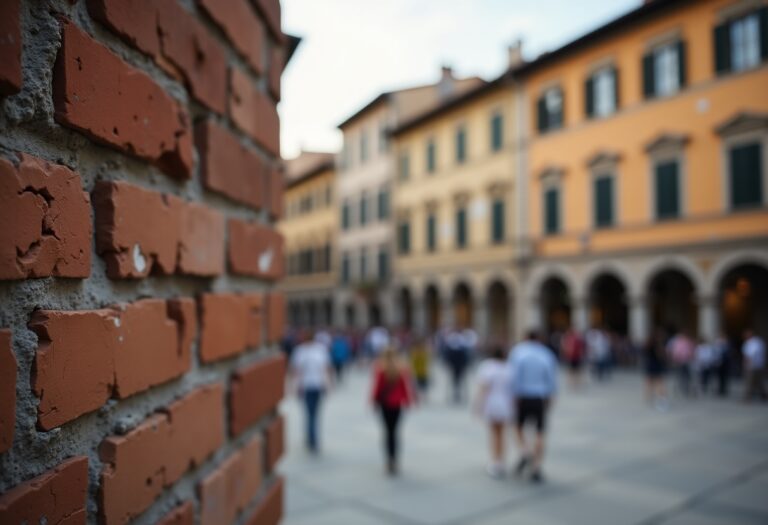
391	420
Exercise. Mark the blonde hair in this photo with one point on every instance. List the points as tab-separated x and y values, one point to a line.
390	362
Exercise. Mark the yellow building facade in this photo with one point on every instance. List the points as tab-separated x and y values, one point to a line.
310	229
648	173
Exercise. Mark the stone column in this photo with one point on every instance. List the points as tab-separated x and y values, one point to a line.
709	318
480	320
639	326
419	314
532	315
580	314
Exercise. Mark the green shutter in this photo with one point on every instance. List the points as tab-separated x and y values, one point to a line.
461	228
604	202
746	176
497	138
589	97
723	48
763	13
461	139
552	211
431	233
363	210
383	205
559	117
541	114
345	216
667	190
681	64
430	157
383	265
649	82
497	224
616	90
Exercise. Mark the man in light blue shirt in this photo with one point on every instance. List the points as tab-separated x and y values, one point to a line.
533	372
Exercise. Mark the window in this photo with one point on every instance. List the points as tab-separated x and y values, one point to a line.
497	221
550	110
461	145
431	232
383	264
383	204
746	175
345	268
326	257
328	195
431	156
363	264
742	43
604	193
383	139
404	237
363	209
363	147
497	132
461	228
405	166
667	189
664	70
552	211
601	92
346	220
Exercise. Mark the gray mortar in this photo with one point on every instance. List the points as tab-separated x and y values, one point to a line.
27	125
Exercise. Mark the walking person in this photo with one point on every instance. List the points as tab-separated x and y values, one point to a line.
572	345
655	360
704	364
391	393
723	352
599	352
533	372
457	358
493	404
311	371
340	353
419	354
681	351
754	360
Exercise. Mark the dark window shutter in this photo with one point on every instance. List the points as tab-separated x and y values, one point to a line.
497	223
559	116
551	211
723	48
603	202
667	190
430	233
763	13
681	64
461	228
589	97
497	138
541	114
616	90
649	82
746	176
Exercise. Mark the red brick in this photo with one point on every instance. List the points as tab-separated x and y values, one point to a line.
74	364
56	497
276	64
7	391
228	167
150	458
224	331
51	217
226	492
86	357
135	21
276	184
275	316
255	318
184	514
254	112
275	442
241	25
97	93
255	391
270	511
10	47
255	250
201	241
137	231
270	10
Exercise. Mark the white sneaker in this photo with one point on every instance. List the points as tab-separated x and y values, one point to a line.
495	471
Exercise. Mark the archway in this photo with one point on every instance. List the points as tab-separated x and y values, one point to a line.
608	303
374	314
555	305
744	301
499	305
406	308
462	306
672	302
432	307
328	312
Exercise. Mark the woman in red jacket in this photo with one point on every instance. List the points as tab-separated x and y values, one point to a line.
391	393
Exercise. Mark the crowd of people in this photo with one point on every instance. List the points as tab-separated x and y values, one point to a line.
516	387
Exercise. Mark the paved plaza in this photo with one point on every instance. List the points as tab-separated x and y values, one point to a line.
611	460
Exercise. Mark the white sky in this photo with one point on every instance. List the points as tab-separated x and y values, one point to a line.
352	50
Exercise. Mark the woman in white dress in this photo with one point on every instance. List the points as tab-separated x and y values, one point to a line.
494	404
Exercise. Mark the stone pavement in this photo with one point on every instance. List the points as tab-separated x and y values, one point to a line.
611	460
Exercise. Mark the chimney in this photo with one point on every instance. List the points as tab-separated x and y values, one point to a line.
446	85
515	56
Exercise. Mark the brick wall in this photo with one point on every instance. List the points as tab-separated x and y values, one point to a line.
139	184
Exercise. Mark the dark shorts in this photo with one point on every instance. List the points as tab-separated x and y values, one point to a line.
574	364
534	410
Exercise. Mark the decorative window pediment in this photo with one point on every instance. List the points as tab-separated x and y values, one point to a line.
667	142
603	159
743	122
551	175
461	198
498	189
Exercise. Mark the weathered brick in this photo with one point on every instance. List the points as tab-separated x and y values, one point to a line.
51	217
241	25
10	47
254	391
137	230
275	309
201	241
224	331
228	167
226	492
154	455
86	357
276	185
270	510
254	112
56	497
270	10
275	442
255	250
7	391
253	303
175	39
100	95
276	64
184	514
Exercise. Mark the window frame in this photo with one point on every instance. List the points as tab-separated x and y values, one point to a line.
502	239
736	133
552	179
666	149
461	140
430	156
461	211
496	115
603	165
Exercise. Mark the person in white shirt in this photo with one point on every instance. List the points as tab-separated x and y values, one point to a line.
493	404
705	361
311	371
599	352
754	361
